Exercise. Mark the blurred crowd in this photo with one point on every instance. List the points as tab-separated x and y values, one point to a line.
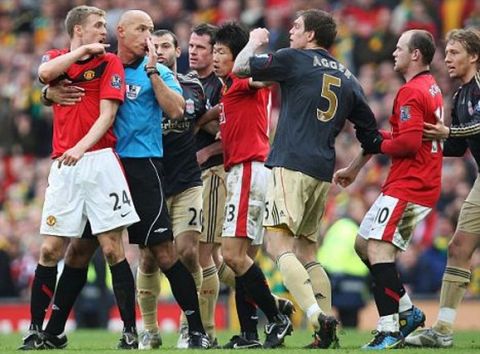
368	31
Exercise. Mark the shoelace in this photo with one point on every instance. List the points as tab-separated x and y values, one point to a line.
379	337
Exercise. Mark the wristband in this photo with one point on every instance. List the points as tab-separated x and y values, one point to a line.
44	95
152	72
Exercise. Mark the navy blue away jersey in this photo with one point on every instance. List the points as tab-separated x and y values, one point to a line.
318	95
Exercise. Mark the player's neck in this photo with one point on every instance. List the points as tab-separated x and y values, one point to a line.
412	72
468	76
75	44
203	73
313	45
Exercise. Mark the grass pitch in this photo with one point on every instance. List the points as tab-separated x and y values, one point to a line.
100	341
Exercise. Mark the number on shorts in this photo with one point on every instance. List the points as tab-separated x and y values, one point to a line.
382	215
267	211
125	200
330	96
230	212
193	220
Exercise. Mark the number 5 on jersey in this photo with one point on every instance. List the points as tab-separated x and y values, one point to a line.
327	93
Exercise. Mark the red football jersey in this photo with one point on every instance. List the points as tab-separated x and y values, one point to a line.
416	179
102	77
243	122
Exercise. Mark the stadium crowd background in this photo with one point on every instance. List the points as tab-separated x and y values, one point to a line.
368	31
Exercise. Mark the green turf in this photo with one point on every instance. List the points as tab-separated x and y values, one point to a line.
99	341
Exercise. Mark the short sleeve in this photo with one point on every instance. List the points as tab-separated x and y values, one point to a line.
112	86
272	67
169	78
411	109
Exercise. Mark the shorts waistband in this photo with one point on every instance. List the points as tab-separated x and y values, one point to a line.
98	152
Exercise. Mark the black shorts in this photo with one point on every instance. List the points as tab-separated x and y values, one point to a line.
87	232
145	179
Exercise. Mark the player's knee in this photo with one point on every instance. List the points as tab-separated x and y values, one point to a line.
456	251
112	253
78	255
165	255
233	260
189	256
269	248
361	252
147	265
50	254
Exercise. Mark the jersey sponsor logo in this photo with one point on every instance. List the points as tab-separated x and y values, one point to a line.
89	75
175	126
51	220
133	91
189	106
405	113
116	82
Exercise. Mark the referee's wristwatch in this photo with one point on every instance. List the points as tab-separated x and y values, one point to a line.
151	70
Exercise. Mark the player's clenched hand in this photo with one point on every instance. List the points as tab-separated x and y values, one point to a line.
344	177
71	156
65	94
96	48
435	131
259	36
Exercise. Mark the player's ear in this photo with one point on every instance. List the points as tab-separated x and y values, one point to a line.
310	36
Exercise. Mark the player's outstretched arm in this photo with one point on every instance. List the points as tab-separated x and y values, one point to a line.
346	176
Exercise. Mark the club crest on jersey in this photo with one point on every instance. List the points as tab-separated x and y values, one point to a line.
89	75
189	106
116	82
405	113
133	91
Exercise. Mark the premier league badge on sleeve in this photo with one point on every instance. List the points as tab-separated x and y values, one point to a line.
405	113
116	82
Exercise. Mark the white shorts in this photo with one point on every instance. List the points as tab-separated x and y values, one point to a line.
95	189
245	202
392	220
